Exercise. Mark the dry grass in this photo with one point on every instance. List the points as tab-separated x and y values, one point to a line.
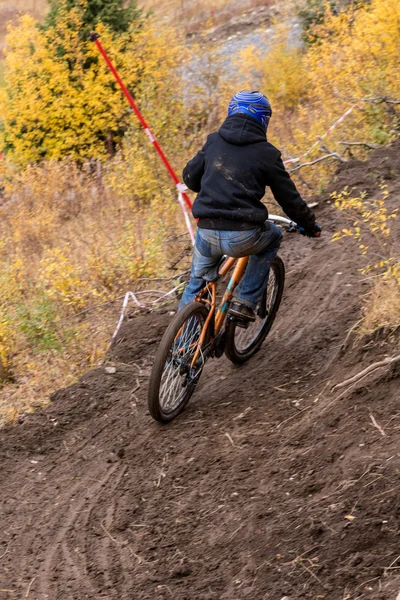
70	248
382	307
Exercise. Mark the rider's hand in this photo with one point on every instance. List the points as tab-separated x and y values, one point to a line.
313	233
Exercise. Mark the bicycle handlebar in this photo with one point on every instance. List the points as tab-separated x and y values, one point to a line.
290	225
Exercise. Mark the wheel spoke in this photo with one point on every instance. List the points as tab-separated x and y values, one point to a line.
177	374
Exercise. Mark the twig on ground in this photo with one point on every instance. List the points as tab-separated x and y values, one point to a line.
242	414
293	416
235	532
391	565
160	587
295	560
133	395
231	440
138	558
395	489
311	573
29	587
6	550
375	424
162	472
137	386
109	535
342	394
208	514
383	363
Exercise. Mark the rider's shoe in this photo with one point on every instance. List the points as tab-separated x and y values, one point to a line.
241	312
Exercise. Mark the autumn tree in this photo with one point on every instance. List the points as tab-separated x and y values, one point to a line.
117	15
60	99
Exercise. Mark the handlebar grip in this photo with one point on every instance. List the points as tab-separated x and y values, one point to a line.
316	233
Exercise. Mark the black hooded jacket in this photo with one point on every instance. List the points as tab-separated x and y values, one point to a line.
230	174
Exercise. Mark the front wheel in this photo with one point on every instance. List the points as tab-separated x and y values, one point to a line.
241	343
173	378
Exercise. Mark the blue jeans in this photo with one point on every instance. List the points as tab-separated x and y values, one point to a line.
261	244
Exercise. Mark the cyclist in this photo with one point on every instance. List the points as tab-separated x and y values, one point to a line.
230	174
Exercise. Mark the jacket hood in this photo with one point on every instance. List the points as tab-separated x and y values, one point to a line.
242	130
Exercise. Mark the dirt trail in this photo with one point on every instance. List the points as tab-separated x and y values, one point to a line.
269	485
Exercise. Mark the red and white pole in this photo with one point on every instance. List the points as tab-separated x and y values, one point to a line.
183	197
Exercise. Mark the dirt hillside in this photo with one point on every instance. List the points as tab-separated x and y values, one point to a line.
271	485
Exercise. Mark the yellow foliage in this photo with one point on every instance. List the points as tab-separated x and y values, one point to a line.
358	53
282	69
61	279
60	98
366	216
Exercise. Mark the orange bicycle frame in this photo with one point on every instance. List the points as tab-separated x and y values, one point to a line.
241	264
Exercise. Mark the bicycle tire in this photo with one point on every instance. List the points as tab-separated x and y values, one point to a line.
239	355
168	351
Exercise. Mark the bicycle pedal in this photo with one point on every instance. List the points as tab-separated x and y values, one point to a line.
243	323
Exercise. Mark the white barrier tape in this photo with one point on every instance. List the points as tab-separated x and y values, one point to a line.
150	135
187	220
131	295
182	188
124	305
331	128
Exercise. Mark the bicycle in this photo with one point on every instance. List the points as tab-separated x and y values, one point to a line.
197	333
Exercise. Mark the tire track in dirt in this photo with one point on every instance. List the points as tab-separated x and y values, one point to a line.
62	523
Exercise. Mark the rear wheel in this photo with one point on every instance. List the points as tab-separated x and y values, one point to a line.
173	379
241	343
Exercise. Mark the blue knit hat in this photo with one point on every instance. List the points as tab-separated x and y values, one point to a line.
252	103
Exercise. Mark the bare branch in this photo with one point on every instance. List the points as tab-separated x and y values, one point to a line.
381	100
327	150
317	160
376	424
371	146
383	363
